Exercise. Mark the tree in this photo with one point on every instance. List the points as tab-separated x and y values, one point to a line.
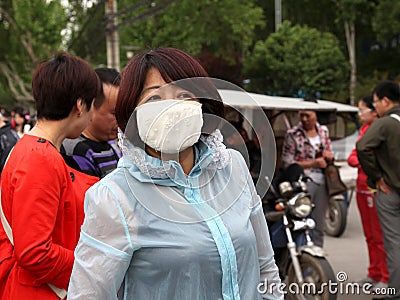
223	28
298	58
86	31
32	31
348	12
386	22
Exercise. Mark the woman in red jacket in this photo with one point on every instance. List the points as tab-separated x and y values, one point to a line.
41	197
377	270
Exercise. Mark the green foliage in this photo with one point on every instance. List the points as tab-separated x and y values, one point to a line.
222	27
87	31
353	10
366	85
298	57
386	22
31	31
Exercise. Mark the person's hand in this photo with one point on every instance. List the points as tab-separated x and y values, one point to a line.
319	163
328	155
381	185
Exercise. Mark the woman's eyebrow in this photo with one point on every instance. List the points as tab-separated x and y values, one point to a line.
153	87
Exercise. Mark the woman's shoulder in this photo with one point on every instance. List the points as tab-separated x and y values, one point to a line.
117	182
30	149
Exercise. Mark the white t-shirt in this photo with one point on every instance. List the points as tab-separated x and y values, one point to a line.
316	174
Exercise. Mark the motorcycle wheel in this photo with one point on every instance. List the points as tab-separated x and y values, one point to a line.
336	218
316	271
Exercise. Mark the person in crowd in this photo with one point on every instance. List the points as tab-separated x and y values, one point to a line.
8	138
309	146
377	270
179	218
235	137
378	153
41	197
95	152
22	121
6	114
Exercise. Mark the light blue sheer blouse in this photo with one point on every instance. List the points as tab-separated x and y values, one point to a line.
152	232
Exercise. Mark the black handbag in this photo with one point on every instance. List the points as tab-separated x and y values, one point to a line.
334	183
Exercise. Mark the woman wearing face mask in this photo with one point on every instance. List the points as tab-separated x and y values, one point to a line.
179	218
377	269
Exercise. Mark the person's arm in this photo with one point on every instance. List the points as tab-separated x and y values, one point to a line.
327	153
270	283
352	160
372	139
104	250
318	163
288	150
270	286
36	202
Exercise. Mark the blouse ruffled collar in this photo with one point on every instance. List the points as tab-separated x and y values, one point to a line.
210	152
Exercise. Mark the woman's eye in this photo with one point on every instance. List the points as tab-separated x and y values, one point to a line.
186	96
153	98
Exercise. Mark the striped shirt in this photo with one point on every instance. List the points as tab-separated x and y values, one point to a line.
90	157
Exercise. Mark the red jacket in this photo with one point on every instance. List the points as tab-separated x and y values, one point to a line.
42	199
352	160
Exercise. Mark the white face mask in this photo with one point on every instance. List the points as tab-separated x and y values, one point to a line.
170	126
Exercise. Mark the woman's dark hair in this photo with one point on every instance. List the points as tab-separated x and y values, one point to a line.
368	101
58	83
173	65
21	112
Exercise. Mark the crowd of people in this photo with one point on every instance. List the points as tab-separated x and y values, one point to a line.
123	186
86	218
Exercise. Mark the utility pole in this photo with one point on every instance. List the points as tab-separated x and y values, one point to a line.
112	37
278	14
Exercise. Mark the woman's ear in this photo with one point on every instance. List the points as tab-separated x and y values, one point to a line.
80	106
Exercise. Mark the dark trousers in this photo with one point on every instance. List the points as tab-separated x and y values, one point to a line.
388	208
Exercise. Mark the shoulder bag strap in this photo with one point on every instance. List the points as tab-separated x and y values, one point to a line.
397	117
6	226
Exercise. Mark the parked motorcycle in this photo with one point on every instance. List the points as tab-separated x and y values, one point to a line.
302	265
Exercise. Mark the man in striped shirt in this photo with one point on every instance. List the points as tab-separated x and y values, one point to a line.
95	151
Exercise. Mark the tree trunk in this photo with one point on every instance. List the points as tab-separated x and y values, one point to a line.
349	30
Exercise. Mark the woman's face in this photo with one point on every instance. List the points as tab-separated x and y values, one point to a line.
366	115
308	119
155	89
19	119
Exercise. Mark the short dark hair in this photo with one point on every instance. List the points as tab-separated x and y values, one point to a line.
173	65
107	76
388	89
368	101
58	83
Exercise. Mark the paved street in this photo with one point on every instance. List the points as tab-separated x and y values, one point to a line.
348	253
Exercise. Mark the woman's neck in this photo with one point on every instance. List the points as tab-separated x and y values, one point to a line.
49	130
185	158
311	132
